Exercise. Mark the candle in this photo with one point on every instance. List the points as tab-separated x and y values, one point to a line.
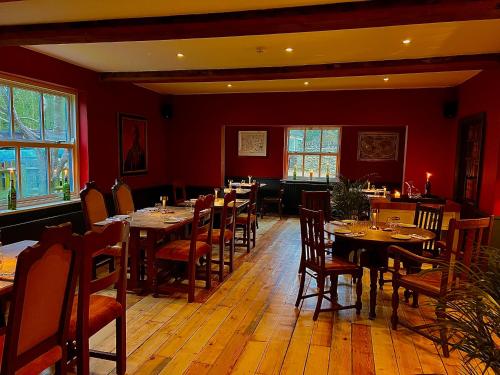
397	194
328	170
311	174
65	173
428	175
368	182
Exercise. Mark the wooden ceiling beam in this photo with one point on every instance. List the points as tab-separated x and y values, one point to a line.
373	13
366	68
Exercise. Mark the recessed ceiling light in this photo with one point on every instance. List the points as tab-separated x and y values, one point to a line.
306	83
386	79
406	41
229	85
180	55
289	49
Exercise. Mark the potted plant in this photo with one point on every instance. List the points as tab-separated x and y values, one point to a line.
472	315
348	198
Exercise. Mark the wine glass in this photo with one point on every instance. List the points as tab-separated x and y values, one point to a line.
249	179
216	192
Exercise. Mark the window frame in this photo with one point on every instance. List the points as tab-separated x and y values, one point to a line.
73	137
320	154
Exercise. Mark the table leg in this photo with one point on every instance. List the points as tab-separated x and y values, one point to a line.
150	247
134	258
373	292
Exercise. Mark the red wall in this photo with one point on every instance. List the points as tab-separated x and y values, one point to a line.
99	104
481	94
272	165
198	121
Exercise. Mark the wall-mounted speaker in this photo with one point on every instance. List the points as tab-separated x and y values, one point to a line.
166	111
450	109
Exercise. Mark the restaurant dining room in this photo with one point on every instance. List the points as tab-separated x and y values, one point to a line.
266	187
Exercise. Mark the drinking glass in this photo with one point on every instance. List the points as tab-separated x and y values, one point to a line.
164	200
230	182
216	192
249	179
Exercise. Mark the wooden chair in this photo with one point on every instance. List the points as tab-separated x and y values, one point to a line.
247	221
318	200
189	251
224	237
464	241
92	311
271	201
179	193
426	217
36	333
122	197
95	210
313	254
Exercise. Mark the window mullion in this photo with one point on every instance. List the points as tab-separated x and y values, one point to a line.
11	103
18	167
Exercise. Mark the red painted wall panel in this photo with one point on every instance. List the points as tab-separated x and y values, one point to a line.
199	119
99	103
481	94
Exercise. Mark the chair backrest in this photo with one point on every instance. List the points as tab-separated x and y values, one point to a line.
43	291
228	216
430	218
202	222
179	193
313	237
111	240
93	204
318	200
122	197
464	242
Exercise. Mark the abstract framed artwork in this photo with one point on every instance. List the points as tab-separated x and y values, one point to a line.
133	144
252	143
378	146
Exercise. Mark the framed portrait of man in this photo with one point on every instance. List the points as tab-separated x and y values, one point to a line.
133	144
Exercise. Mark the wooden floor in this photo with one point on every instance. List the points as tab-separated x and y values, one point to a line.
250	325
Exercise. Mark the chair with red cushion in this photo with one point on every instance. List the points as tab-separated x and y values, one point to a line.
227	224
122	197
313	259
464	244
189	251
248	220
92	311
36	332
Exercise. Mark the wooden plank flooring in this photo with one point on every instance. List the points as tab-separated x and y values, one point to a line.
249	325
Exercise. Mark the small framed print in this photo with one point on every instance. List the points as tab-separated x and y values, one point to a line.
252	143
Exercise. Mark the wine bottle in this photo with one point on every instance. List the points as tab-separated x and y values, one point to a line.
12	197
66	190
294	172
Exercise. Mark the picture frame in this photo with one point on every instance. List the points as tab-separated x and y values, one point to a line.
252	143
378	146
133	144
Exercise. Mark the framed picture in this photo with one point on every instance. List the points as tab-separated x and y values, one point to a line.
378	146
133	144
252	143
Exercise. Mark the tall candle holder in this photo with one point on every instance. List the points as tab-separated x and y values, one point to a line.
428	186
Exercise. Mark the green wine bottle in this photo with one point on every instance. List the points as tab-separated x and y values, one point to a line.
66	190
294	172
12	197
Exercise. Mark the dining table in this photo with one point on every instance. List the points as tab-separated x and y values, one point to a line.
373	244
8	261
147	227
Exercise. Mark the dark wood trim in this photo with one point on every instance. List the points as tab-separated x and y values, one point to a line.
366	68
375	13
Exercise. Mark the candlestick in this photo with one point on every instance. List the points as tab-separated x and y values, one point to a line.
397	194
427	190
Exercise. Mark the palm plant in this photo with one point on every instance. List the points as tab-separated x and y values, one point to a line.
348	198
472	315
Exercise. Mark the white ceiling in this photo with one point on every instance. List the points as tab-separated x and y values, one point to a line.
354	45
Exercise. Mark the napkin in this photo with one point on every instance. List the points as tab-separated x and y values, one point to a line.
336	222
357	234
419	237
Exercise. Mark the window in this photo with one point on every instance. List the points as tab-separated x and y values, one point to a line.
37	142
313	149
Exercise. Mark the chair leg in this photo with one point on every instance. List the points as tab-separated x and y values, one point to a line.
247	237
231	256
334	281
221	261
191	281
280	209
83	356
407	295
443	331
254	231
321	291
208	269
359	292
121	345
395	305
381	280
415	299
301	287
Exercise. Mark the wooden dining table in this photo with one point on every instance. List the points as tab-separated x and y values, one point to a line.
147	227
374	244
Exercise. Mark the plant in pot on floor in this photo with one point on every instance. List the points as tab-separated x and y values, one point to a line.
472	315
349	200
